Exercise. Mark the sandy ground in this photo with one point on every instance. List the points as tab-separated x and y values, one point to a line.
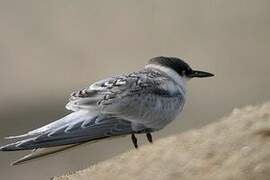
236	147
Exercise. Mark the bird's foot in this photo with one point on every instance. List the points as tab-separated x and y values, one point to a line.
134	140
149	137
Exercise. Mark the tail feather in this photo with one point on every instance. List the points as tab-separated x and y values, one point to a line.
39	153
44	152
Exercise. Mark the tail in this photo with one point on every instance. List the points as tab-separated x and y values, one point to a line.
44	152
39	153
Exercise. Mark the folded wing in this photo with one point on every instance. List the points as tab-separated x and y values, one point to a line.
125	96
82	129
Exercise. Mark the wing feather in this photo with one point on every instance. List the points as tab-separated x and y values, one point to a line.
74	133
110	95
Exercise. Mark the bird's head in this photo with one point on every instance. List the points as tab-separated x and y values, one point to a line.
179	66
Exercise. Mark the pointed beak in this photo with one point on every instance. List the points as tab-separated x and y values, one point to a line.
200	74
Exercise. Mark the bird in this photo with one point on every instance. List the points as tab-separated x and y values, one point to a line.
140	102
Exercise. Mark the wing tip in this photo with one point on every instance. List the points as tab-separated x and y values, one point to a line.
5	147
8	147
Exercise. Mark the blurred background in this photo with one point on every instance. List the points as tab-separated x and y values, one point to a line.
50	48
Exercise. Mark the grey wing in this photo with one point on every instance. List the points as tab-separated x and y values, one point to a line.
79	130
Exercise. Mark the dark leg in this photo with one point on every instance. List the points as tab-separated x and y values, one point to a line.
149	137
134	140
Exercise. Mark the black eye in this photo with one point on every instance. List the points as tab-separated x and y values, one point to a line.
184	72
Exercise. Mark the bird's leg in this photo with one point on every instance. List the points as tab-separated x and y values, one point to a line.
134	140
149	137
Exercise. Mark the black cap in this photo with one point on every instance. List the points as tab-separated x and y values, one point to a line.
179	66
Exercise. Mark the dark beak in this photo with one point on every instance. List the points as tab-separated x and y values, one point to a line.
200	74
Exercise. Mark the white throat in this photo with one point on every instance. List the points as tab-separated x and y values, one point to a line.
181	81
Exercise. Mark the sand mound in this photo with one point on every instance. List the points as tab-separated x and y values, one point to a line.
236	147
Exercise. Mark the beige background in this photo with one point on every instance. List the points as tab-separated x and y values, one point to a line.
51	48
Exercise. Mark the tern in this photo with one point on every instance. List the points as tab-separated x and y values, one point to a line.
141	102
